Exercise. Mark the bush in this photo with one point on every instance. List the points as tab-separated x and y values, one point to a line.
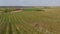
39	10
7	10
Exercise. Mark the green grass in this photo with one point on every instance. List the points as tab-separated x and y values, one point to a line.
30	22
32	9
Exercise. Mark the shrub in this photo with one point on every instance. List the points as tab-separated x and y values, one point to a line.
7	10
40	10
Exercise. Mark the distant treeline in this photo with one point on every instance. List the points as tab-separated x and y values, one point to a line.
29	6
11	7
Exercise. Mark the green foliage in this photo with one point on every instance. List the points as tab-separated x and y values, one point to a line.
25	22
33	9
7	10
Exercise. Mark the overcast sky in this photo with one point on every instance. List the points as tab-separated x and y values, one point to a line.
29	2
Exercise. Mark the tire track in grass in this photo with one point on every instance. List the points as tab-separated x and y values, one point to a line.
2	28
4	32
36	30
7	21
10	28
12	21
10	24
31	27
13	30
16	27
6	24
1	24
25	32
24	23
33	30
7	29
2	19
19	24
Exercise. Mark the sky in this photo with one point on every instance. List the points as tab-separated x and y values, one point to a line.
29	2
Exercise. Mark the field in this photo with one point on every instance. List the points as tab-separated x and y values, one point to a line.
31	21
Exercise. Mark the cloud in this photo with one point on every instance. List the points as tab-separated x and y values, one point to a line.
10	2
42	2
29	2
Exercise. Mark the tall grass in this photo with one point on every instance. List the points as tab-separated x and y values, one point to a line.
25	22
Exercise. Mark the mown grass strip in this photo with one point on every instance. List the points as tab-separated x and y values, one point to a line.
25	25
25	32
18	23
2	19
4	24
16	27
16	30
4	32
10	28
7	29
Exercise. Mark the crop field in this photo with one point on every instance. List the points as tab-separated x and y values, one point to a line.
30	21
